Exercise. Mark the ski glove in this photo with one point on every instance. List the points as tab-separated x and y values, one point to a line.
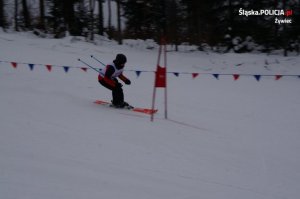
127	81
118	85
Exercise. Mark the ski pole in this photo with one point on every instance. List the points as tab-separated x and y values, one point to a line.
88	65
97	60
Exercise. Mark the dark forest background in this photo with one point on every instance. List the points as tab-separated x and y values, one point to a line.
213	23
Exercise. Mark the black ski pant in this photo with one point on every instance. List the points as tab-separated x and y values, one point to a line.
117	92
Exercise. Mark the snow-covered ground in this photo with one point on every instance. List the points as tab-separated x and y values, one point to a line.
223	139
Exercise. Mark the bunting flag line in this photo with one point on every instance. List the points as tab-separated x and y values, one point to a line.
161	73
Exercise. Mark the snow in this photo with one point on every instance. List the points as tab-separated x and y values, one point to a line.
223	138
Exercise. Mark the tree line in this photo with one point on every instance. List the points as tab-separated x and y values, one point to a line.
214	23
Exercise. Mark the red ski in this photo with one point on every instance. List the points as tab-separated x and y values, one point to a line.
131	108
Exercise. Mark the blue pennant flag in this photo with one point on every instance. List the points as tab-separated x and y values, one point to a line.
31	66
66	68
216	76
257	77
176	74
138	73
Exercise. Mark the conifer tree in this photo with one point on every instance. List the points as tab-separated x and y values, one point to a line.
2	15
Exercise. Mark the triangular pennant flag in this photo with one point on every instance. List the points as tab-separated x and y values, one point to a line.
14	64
138	73
277	77
49	67
31	66
216	76
66	68
84	69
194	75
236	77
257	77
176	74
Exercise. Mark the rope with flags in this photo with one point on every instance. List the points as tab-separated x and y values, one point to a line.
217	76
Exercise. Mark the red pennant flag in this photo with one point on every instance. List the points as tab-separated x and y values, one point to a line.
160	77
49	67
277	77
84	69
14	64
194	75
236	77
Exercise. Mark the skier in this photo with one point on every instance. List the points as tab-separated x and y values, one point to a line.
108	78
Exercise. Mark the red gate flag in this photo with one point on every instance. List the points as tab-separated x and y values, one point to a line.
160	77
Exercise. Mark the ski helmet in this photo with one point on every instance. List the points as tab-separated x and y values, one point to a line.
120	59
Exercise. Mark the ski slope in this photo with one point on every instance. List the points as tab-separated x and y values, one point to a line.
223	139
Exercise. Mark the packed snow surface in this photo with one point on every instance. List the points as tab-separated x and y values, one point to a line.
222	139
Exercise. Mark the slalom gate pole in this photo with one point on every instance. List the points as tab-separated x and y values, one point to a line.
159	82
97	60
154	87
165	63
89	65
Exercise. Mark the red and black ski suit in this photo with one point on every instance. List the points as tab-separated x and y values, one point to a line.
108	78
